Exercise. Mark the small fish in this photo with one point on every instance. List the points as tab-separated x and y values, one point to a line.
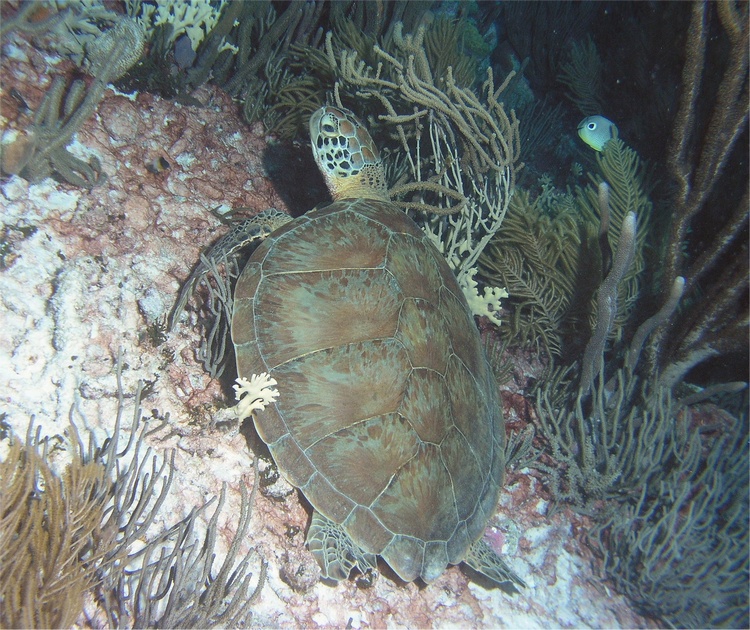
158	165
596	131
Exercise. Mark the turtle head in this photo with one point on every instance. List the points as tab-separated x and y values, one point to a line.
346	155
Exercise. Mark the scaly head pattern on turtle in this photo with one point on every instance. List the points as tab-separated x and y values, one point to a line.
387	417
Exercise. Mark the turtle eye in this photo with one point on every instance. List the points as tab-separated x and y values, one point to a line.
591	126
328	125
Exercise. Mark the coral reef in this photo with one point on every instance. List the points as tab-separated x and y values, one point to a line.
680	551
670	498
194	19
549	256
62	537
535	257
695	135
620	438
52	534
593	356
655	474
40	151
540	34
712	320
469	163
102	265
626	454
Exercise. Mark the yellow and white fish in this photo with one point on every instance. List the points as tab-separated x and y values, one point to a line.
596	131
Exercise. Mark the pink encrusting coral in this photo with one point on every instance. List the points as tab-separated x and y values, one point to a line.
85	273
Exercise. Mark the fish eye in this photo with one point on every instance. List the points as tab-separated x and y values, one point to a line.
591	126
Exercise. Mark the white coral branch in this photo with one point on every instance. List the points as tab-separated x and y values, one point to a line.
488	302
194	18
462	237
254	394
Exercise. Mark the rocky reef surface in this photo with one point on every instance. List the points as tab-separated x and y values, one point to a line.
84	274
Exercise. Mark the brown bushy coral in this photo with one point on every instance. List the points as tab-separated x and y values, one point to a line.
63	536
52	535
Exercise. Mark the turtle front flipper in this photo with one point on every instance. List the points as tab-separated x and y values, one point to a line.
335	551
239	236
483	559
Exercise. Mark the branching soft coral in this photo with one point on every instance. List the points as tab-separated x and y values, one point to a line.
42	150
52	541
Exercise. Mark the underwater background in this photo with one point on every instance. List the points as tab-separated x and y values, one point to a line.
135	134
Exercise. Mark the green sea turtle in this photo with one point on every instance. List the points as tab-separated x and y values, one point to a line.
387	417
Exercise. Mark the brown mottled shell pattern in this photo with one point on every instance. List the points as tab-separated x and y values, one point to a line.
387	418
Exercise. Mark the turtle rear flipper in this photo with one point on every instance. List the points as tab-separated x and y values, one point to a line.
335	551
483	559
